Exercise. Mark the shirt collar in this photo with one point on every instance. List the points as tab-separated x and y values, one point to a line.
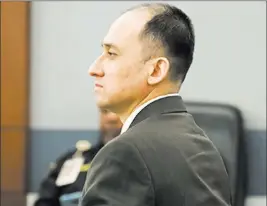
130	119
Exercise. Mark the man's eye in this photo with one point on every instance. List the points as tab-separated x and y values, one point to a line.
111	54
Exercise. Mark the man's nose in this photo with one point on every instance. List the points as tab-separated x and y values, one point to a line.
96	69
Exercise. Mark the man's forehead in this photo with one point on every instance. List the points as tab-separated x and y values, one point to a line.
126	28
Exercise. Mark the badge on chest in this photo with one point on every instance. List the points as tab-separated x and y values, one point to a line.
71	168
69	171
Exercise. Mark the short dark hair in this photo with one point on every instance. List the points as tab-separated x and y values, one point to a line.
171	29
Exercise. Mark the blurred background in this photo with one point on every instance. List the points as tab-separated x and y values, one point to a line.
47	100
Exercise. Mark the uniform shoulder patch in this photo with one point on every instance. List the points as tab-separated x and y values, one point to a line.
83	145
52	165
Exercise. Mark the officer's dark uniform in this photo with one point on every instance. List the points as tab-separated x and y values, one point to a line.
50	194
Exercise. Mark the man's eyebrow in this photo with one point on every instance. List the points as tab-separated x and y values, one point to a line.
110	45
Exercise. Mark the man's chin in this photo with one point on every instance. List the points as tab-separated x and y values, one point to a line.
104	105
101	103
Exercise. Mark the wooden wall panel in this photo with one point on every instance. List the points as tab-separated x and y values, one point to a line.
14	100
12	199
13	153
14	63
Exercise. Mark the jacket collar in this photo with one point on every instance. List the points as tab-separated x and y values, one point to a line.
168	104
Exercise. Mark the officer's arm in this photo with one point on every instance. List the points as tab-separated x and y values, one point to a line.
118	176
49	192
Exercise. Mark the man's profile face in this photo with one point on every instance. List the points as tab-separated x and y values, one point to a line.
110	125
120	76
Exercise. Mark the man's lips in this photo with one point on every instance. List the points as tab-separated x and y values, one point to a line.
98	85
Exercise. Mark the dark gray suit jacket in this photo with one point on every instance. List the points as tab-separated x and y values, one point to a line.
163	159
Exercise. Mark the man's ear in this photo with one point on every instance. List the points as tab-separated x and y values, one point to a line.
158	70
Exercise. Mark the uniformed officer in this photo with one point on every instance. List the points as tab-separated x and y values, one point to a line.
65	180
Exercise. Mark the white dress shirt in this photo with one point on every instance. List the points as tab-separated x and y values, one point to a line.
130	119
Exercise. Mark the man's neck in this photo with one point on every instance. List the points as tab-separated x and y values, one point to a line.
152	95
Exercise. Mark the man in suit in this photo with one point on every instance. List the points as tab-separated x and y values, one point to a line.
161	158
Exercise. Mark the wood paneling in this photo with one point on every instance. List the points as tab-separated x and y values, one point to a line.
14	100
13	161
14	63
12	199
